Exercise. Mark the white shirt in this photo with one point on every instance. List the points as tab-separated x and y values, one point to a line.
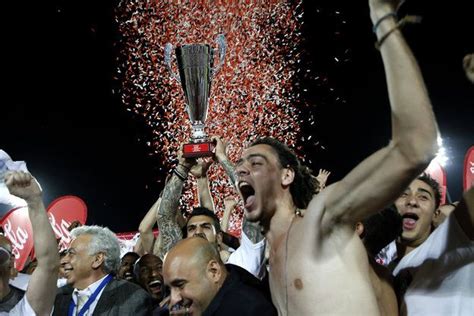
22	308
250	256
442	272
88	290
20	281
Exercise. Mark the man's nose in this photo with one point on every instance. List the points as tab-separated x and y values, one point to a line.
175	297
198	230
155	272
241	170
412	200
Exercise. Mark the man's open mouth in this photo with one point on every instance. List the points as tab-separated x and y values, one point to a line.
155	286
409	220
248	193
128	276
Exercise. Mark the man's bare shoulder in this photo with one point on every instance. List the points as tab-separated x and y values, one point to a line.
318	224
317	207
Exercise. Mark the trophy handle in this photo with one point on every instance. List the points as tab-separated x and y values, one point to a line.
168	50
222	47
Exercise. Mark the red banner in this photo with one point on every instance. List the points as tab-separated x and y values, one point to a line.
62	212
17	227
437	172
468	175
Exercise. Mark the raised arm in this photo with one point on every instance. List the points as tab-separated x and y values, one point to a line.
199	171
146	240
322	178
41	290
169	230
223	160
229	205
252	230
381	178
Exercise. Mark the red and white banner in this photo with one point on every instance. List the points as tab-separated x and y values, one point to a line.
468	174
437	172
62	212
17	228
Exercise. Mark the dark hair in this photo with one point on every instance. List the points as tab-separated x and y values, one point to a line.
197	211
426	178
381	229
131	254
304	185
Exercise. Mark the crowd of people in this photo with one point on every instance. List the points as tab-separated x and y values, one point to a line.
377	242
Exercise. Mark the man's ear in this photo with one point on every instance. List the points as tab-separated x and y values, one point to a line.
219	237
287	176
359	228
99	259
437	213
214	270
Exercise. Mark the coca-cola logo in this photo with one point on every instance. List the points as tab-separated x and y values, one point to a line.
18	238
17	228
61	212
61	231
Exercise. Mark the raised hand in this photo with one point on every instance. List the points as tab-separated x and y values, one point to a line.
199	170
187	163
23	185
230	203
322	177
221	156
468	64
221	149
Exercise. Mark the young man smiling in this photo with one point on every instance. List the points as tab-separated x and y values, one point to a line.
435	267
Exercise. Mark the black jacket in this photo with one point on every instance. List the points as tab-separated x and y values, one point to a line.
241	294
118	298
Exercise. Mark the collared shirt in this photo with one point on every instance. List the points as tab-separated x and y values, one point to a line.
88	291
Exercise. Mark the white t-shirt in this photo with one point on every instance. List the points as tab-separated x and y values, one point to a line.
442	272
22	308
20	281
250	256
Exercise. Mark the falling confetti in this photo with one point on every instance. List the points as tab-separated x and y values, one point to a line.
252	95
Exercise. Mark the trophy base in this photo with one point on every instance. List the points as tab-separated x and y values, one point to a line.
196	150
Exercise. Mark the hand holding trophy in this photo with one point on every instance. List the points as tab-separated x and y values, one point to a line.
196	71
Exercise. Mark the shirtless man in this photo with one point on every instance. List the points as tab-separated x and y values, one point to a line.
318	265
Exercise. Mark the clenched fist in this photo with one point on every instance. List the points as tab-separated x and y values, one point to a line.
23	185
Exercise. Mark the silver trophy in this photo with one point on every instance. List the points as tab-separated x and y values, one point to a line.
196	71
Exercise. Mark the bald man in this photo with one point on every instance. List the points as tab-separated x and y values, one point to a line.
202	285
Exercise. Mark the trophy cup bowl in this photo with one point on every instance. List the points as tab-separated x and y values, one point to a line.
195	66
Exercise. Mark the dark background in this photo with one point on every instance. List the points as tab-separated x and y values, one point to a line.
59	114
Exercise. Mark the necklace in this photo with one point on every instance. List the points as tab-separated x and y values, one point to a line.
297	214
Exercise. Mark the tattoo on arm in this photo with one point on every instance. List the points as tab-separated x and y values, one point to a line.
229	170
170	235
166	217
252	230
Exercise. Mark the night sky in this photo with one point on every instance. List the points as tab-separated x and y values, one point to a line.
60	115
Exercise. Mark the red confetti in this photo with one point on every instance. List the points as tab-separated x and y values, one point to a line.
252	95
